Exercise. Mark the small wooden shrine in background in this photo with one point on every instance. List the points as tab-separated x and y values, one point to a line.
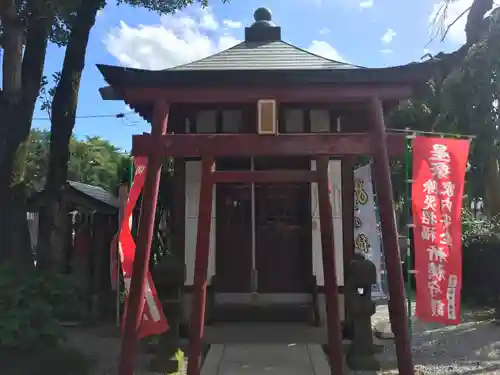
86	223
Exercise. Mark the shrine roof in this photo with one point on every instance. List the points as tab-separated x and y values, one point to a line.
263	55
262	59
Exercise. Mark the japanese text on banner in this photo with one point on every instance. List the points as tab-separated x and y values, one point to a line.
439	170
366	232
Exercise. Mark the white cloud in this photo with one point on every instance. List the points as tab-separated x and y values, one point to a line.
388	36
324	49
324	31
186	36
366	4
180	38
386	51
208	22
232	24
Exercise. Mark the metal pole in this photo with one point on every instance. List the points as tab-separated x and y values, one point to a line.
252	200
407	215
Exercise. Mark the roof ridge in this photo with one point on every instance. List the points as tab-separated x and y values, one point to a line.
322	57
89	185
205	58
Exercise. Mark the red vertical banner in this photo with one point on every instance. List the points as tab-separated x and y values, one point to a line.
438	185
153	320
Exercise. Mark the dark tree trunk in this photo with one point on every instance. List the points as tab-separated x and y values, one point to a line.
16	112
474	30
64	107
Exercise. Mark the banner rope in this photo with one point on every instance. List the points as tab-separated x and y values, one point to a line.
440	134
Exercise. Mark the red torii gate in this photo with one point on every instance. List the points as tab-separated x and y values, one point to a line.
376	142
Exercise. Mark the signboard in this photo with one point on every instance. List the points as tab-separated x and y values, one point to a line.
367	240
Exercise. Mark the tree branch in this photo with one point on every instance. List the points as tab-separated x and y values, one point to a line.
454	22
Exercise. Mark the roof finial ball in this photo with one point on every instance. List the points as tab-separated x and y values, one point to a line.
262	14
263	18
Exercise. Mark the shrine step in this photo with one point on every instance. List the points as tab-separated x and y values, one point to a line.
279	312
271	333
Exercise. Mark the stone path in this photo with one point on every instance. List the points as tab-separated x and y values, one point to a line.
259	359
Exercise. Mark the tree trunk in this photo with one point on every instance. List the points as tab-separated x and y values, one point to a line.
64	107
492	189
22	80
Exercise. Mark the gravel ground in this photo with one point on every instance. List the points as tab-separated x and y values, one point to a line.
472	347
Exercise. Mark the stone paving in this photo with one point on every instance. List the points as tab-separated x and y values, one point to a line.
258	359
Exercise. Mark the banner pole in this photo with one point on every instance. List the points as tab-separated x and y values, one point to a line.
407	214
129	184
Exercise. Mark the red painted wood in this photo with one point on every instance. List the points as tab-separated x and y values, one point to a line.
383	185
347	178
197	323
264	176
179	208
335	351
144	239
292	94
194	145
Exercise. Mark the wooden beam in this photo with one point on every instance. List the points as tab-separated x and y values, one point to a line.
136	298
220	145
347	179
337	93
265	176
383	186
334	331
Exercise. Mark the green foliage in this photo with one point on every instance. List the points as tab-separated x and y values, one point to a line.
31	304
93	161
479	229
465	101
47	93
481	257
164	6
62	294
26	319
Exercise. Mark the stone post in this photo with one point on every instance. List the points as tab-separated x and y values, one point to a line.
361	275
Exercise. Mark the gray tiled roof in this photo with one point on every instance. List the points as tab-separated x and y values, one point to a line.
273	55
96	192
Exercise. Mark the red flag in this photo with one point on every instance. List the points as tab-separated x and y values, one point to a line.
153	320
438	185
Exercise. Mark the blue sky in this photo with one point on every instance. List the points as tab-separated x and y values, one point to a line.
371	33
